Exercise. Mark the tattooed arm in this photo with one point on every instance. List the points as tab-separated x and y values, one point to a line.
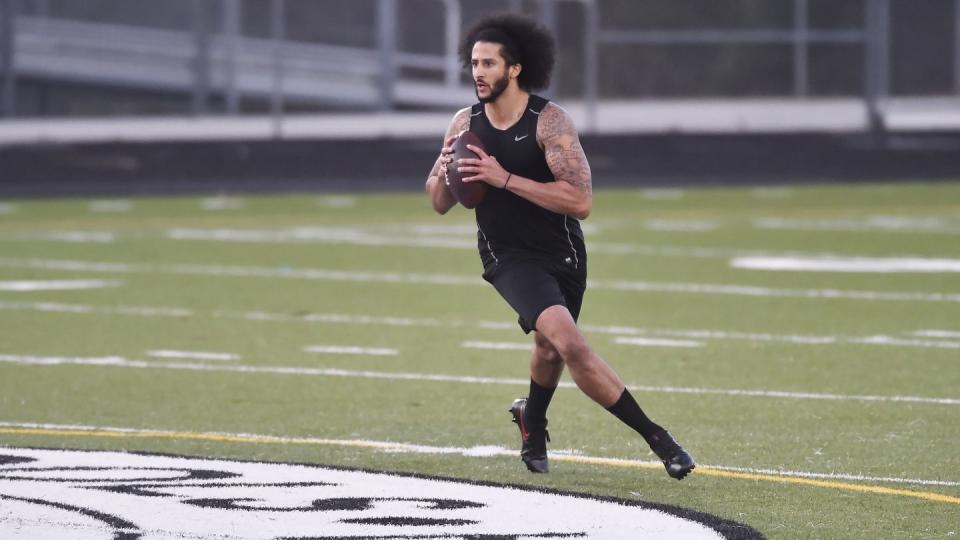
572	193
440	197
561	146
565	157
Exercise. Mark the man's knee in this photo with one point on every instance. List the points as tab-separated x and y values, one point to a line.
544	351
562	333
573	348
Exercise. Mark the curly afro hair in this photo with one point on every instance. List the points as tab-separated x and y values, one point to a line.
524	41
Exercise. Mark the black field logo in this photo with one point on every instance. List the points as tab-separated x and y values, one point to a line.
114	495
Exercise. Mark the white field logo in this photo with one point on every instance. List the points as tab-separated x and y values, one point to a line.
113	495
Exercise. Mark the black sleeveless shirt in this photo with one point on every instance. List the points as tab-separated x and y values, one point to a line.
510	226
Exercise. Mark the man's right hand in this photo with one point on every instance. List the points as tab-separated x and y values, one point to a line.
446	156
440	197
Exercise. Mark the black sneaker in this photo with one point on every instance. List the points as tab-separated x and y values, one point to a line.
675	459
534	450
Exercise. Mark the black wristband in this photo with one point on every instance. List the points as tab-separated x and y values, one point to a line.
509	176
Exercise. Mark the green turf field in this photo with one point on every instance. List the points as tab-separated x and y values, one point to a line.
799	393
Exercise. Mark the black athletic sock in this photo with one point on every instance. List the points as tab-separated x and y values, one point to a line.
630	413
537	403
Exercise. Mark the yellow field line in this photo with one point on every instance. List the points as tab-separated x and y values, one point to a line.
707	471
267	439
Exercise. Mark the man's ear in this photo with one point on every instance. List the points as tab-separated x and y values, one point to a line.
515	70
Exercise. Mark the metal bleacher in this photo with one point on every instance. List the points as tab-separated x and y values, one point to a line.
378	89
141	57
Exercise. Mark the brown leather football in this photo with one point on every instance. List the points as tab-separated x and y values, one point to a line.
469	194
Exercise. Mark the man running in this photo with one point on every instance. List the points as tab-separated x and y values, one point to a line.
528	228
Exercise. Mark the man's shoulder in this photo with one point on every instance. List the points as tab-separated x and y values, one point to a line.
537	104
553	110
466	111
554	120
462	114
461	120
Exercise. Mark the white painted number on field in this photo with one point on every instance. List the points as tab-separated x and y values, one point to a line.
69	494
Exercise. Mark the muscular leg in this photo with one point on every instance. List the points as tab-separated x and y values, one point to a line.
558	343
598	380
546	364
591	373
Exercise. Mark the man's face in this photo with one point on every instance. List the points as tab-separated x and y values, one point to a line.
491	75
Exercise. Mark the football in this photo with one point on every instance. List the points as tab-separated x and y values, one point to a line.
469	194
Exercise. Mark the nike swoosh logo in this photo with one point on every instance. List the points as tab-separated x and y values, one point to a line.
518	139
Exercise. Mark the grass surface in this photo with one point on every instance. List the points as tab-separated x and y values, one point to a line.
370	259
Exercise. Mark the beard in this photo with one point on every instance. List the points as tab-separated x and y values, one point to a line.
496	89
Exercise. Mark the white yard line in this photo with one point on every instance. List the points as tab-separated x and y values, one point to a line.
423	237
217	204
351	349
58	307
681	225
65	265
338	318
771	193
886	265
193	355
948	334
769	292
58	285
471	451
371	320
337	201
608	248
149	311
663	194
327	235
77	237
118	361
894	224
111	206
497	325
898	342
364	276
426	236
713	334
465	230
655	342
497	345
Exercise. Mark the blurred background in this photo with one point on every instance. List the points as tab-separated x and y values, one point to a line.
138	96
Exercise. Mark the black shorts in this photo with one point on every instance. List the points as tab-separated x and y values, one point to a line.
531	285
